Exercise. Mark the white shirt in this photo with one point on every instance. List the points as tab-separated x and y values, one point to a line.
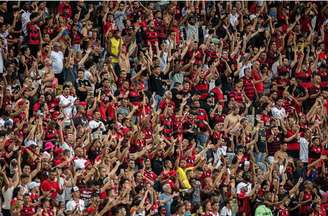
217	156
242	70
304	149
163	61
225	211
192	32
211	84
57	59
64	101
96	124
279	113
7	196
4	36
233	19
25	19
72	205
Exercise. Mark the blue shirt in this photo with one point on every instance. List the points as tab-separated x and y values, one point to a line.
168	202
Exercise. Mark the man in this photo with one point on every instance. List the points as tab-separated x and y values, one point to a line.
275	138
76	205
237	94
82	86
57	58
227	209
261	147
66	102
4	12
115	47
156	83
119	16
192	29
278	111
232	120
96	124
25	18
33	33
248	85
166	198
50	186
281	155
304	145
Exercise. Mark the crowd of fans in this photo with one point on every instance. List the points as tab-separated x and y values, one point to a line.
164	108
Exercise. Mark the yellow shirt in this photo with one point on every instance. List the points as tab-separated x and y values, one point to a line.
115	48
182	175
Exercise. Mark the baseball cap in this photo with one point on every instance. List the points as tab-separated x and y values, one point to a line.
30	143
48	146
33	185
75	189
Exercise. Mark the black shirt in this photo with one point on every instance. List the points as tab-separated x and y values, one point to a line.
261	144
156	85
82	95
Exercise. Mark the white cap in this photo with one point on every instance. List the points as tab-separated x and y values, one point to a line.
33	185
29	143
240	186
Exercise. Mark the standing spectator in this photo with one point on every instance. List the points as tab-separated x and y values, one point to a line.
57	58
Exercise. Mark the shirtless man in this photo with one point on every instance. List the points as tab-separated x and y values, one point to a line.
232	120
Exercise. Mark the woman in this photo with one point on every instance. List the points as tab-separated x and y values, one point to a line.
69	182
8	190
16	204
306	198
45	208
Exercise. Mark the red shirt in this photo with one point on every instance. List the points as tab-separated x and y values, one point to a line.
292	145
237	96
305	23
47	212
259	86
283	212
65	10
33	34
77	38
202	89
165	103
304	77
107	112
249	88
218	94
177	34
168	123
53	186
243	204
108	26
152	37
28	211
323	210
150	175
